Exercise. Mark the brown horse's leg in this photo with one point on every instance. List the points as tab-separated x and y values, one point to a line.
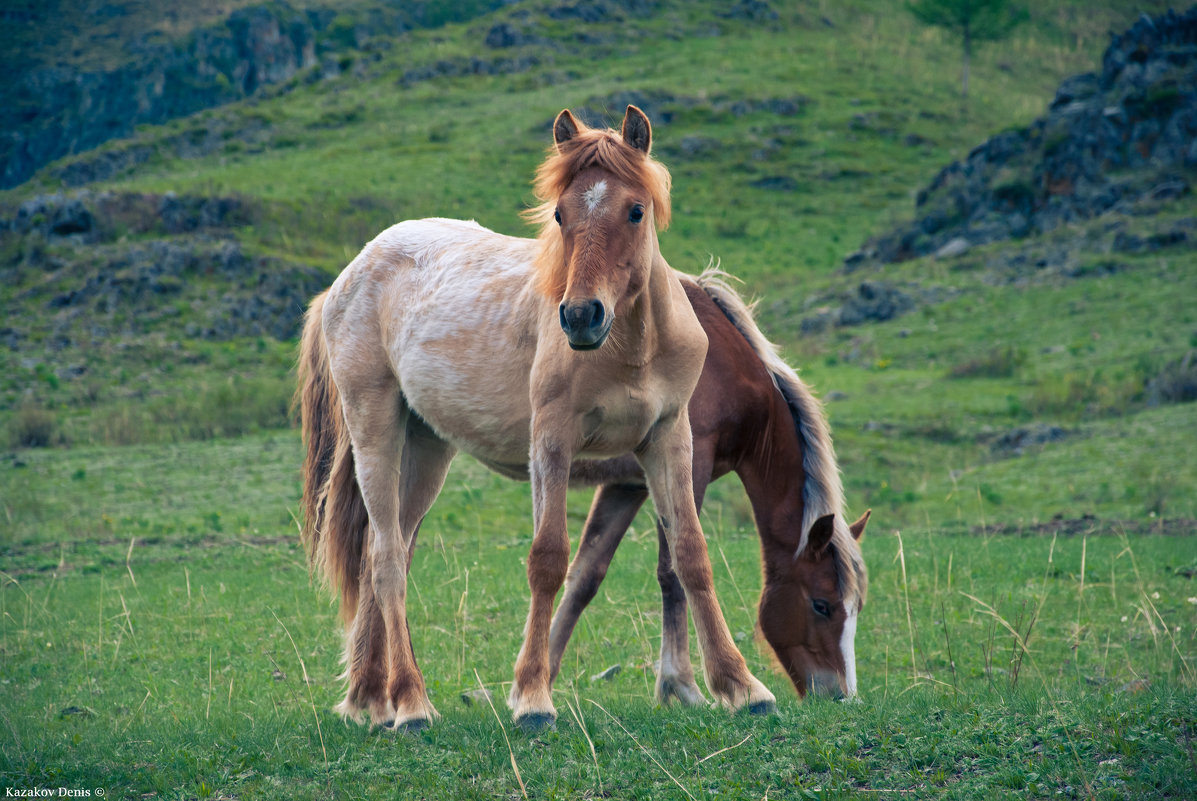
675	673
531	697
613	509
668	464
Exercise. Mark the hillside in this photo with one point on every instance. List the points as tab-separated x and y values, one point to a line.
85	72
1008	360
152	285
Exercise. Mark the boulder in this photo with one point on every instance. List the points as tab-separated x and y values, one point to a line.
1109	141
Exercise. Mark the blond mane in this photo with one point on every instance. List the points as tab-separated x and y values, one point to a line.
591	147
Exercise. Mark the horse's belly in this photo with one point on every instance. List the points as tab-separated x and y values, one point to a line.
475	397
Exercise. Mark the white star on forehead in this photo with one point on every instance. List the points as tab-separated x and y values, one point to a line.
594	196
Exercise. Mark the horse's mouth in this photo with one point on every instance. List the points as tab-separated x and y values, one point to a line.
825	684
591	345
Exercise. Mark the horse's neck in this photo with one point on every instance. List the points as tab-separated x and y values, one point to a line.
772	474
652	319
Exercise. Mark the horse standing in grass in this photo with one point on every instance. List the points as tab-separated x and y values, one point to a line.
751	414
433	339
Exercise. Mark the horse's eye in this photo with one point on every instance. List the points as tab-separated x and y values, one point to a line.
821	607
636	214
557	215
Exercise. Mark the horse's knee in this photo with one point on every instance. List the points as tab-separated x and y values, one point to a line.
547	564
690	564
671	586
582	583
388	573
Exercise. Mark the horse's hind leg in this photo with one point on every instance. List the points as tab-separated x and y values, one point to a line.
425	462
396	499
668	465
675	674
365	656
613	509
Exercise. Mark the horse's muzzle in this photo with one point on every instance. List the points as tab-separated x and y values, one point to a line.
586	323
824	684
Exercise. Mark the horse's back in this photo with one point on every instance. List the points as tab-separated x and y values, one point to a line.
446	308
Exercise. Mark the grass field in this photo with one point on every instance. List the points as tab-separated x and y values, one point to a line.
1031	626
157	642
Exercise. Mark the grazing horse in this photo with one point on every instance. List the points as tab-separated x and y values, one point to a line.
751	414
434	339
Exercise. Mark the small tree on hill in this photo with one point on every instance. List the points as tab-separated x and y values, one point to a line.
973	20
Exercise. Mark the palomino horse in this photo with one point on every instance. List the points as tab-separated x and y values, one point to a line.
751	414
434	339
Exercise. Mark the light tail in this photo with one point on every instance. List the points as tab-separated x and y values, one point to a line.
335	523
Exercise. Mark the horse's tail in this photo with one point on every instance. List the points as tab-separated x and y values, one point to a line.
335	522
823	491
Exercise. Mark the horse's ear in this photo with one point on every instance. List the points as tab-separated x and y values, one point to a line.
858	527
565	127
820	536
637	131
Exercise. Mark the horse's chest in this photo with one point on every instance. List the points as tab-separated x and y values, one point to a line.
619	420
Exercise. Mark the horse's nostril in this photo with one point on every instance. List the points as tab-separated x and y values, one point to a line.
596	316
561	314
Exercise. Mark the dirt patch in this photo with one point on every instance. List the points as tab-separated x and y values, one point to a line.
1091	525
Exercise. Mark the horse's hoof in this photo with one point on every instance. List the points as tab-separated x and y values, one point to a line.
537	722
763	708
406	727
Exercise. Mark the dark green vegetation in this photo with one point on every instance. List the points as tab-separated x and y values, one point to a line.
974	21
1015	415
81	73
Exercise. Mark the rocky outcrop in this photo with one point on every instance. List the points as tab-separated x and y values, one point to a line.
50	112
1113	140
94	217
51	107
89	267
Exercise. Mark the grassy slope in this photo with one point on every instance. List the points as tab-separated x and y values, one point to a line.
172	642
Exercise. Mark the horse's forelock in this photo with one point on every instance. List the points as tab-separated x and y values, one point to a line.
591	147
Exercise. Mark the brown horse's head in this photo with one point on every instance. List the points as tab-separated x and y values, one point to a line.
603	197
809	608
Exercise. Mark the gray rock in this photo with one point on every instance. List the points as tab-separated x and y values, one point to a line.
874	301
481	696
776	183
1109	141
1015	441
953	248
607	674
751	10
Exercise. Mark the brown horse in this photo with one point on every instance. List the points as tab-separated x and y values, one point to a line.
438	338
750	414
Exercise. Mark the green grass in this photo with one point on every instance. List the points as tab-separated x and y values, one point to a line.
151	583
175	649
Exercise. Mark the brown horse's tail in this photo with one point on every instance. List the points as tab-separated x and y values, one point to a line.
335	522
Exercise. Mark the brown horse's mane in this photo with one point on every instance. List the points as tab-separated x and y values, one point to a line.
822	492
591	147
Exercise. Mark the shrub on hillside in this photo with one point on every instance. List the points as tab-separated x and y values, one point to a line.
32	427
1175	383
999	362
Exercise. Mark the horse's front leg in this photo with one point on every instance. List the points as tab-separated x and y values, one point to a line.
531	695
668	465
